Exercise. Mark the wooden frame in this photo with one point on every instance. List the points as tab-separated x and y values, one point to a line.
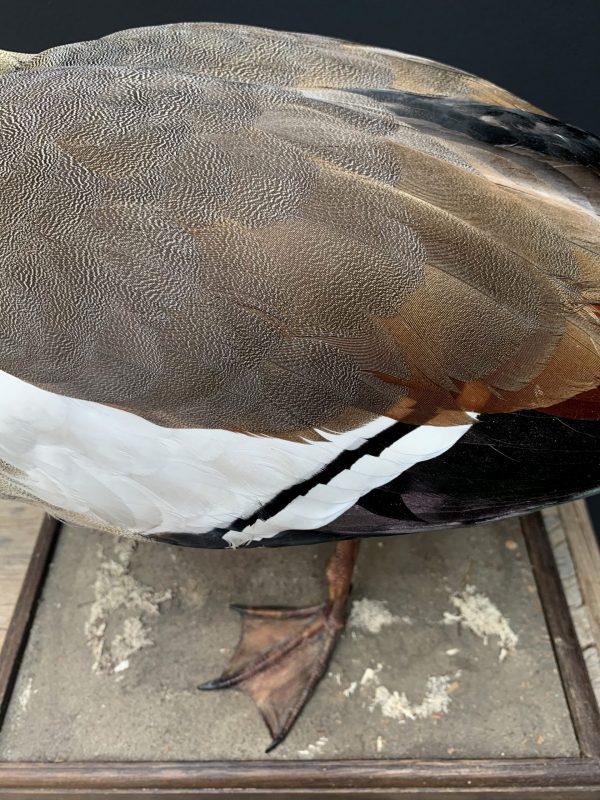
559	778
20	624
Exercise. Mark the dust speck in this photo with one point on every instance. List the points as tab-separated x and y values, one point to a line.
315	749
370	675
25	695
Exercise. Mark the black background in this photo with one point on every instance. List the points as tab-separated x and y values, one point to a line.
546	51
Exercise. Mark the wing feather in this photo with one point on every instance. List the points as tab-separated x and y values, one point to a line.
230	227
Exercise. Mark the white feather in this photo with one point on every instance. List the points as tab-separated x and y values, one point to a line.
322	504
87	458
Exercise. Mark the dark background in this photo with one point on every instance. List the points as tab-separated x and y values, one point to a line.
546	51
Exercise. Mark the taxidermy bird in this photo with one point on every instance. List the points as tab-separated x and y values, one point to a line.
261	288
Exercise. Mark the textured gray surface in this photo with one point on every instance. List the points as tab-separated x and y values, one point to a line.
477	705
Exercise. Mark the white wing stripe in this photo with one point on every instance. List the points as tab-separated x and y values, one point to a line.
322	504
125	472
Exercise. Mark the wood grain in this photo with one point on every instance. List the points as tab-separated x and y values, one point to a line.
574	676
19	527
20	623
515	778
586	557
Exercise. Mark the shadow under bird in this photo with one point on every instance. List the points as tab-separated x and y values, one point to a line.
261	288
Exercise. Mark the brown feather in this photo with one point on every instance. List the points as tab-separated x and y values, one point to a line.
207	226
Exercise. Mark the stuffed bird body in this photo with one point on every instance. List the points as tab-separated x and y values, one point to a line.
250	280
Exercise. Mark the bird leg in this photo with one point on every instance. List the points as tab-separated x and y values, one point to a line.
284	652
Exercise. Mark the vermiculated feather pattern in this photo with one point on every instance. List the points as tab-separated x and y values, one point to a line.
279	241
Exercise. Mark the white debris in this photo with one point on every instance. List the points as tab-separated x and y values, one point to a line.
116	589
379	744
25	695
477	613
314	749
133	638
452	651
396	705
351	689
370	675
370	615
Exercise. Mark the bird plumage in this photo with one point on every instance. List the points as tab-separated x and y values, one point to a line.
273	243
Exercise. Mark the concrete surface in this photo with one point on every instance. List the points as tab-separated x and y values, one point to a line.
447	653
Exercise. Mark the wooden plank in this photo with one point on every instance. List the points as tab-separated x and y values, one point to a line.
19	527
18	630
574	675
586	556
344	777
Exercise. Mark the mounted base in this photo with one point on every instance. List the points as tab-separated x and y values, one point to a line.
174	742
